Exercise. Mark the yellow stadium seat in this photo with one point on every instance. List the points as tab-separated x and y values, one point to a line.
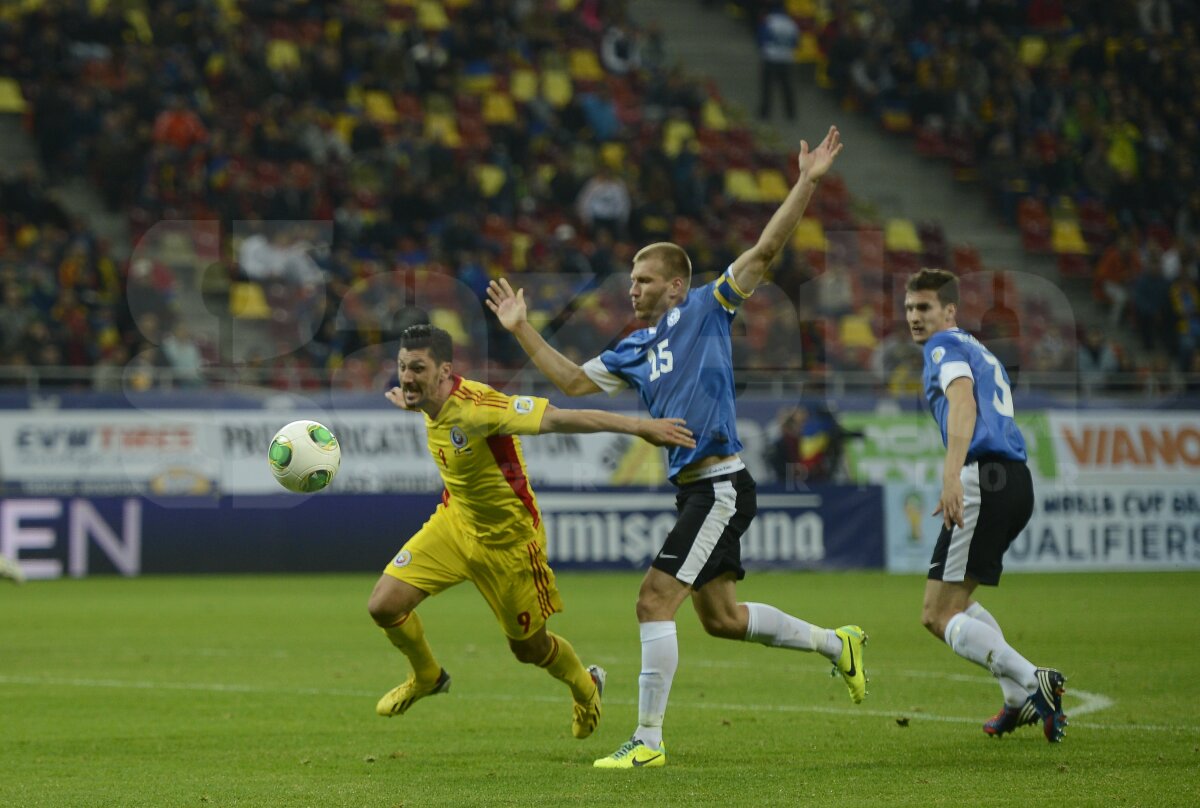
519	243
491	179
772	187
344	125
449	321
1031	50
855	330
741	185
498	110
247	301
557	89
11	99
676	132
712	116
809	235
808	50
440	126
283	55
477	84
523	84
431	16
584	65
378	107
613	155
801	9
900	235
1066	237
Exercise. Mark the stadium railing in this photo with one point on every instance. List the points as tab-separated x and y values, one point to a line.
762	382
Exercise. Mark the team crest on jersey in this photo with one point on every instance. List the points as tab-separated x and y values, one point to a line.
523	405
402	559
937	354
673	316
458	437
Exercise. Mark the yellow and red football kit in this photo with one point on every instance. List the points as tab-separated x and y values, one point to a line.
487	528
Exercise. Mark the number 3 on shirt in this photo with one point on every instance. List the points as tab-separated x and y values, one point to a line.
1002	399
661	360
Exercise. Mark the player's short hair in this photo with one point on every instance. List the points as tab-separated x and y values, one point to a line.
935	280
673	259
424	335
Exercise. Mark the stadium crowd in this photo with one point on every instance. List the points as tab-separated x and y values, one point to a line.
1081	112
445	143
63	296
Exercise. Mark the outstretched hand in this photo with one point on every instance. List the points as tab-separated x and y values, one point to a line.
814	164
508	306
668	432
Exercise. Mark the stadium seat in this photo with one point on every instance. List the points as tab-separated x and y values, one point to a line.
499	110
523	85
772	187
809	235
900	235
12	101
584	65
1066	237
248	302
557	89
740	184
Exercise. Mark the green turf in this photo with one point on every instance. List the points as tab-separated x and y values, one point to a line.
248	691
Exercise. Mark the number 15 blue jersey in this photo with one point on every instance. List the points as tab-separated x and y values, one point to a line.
682	367
953	354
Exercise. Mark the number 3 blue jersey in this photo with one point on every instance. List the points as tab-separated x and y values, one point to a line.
682	367
953	354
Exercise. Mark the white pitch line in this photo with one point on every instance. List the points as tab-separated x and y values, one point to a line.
217	687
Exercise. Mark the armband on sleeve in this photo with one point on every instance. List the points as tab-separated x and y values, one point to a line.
728	293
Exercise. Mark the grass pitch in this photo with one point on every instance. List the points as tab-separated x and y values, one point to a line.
249	691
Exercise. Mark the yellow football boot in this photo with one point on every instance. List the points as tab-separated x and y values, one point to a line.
850	663
397	700
634	754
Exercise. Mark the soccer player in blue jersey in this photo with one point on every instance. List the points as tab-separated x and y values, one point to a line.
986	501
681	365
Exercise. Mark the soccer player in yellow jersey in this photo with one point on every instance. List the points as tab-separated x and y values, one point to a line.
487	529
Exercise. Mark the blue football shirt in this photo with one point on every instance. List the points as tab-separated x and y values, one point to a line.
953	354
682	367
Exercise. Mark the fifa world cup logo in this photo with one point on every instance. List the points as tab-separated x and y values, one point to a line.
913	510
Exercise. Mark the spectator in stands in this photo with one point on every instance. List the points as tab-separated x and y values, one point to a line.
1185	301
1097	361
1117	268
183	356
834	291
1152	307
619	48
15	317
178	127
778	36
604	203
784	455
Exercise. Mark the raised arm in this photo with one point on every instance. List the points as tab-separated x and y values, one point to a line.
750	266
509	308
658	431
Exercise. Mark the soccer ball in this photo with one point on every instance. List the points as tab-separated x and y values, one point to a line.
304	456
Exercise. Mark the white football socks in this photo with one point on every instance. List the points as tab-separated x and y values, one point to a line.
1014	694
978	642
660	658
769	626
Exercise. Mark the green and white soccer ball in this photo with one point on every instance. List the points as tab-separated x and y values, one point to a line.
304	456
